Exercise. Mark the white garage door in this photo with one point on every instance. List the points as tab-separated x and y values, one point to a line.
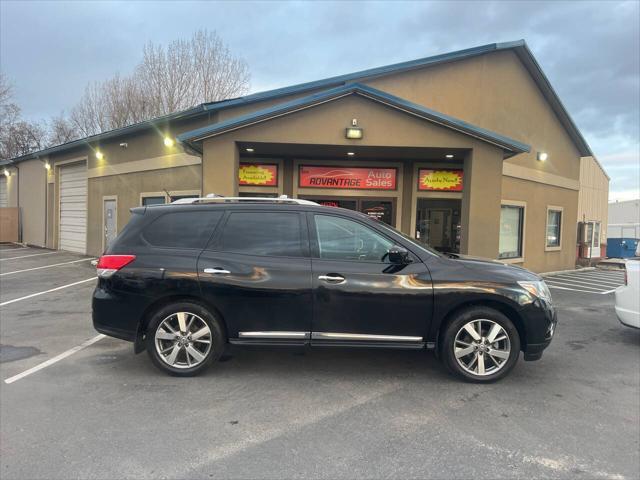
4	199
73	208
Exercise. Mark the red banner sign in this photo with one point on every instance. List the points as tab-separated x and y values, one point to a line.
441	180
355	178
261	174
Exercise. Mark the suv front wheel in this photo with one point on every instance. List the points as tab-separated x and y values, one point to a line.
184	338
481	345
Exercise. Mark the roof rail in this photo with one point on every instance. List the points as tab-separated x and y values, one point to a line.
213	198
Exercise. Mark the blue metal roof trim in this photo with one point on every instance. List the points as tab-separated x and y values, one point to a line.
109	134
377	95
519	46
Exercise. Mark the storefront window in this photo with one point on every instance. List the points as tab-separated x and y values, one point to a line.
511	226
438	224
554	222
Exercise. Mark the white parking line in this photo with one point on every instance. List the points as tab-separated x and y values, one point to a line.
595	282
55	359
46	266
576	285
46	291
27	256
619	276
574	289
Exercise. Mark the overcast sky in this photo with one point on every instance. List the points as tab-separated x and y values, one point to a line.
589	50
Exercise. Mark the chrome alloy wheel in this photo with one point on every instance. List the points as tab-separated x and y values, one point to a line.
183	340
482	347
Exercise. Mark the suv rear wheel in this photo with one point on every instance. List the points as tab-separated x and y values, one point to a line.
184	338
481	345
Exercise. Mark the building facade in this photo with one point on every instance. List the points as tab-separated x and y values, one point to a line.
471	152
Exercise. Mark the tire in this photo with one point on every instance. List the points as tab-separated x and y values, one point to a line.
177	336
468	355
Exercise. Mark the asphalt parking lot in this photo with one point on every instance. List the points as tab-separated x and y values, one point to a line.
103	412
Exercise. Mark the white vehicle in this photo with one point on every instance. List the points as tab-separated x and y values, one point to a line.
628	296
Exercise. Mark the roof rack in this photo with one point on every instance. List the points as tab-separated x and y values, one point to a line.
214	198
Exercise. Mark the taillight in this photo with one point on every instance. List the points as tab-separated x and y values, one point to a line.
110	264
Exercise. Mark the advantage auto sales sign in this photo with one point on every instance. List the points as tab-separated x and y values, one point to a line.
354	178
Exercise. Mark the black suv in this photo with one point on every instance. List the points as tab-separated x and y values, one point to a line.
182	280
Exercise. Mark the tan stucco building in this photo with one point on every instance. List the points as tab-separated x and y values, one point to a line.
470	151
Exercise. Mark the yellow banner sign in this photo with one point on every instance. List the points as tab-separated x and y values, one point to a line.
258	174
449	180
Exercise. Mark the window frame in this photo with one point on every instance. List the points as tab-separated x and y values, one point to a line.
523	229
315	248
215	242
554	248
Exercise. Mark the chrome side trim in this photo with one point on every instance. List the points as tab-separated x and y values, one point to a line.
274	334
363	336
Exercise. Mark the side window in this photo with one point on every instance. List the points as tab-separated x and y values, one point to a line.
263	233
182	229
343	239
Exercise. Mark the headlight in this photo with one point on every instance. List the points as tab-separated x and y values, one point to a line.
537	289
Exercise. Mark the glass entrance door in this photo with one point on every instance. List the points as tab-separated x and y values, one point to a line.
438	224
380	209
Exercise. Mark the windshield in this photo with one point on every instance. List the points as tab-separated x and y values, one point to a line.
413	241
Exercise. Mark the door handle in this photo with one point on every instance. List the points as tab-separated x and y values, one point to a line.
216	271
332	278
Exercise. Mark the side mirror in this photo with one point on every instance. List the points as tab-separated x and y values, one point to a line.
398	255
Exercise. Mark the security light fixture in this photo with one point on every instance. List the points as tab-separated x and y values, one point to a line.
351	154
99	155
250	150
449	155
6	172
542	156
169	142
354	133
124	145
47	165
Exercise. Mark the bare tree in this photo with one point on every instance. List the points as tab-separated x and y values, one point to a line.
17	137
62	130
177	77
21	138
9	111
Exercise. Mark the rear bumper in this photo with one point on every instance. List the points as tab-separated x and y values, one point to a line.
116	315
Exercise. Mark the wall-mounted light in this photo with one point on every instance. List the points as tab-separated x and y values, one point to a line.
250	150
449	155
99	155
47	165
169	142
351	154
542	156
354	133
124	145
7	173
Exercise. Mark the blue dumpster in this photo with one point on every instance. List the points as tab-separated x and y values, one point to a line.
621	247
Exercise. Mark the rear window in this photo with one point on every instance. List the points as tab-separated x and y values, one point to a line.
182	229
263	233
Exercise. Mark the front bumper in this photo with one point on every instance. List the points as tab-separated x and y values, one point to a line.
541	328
